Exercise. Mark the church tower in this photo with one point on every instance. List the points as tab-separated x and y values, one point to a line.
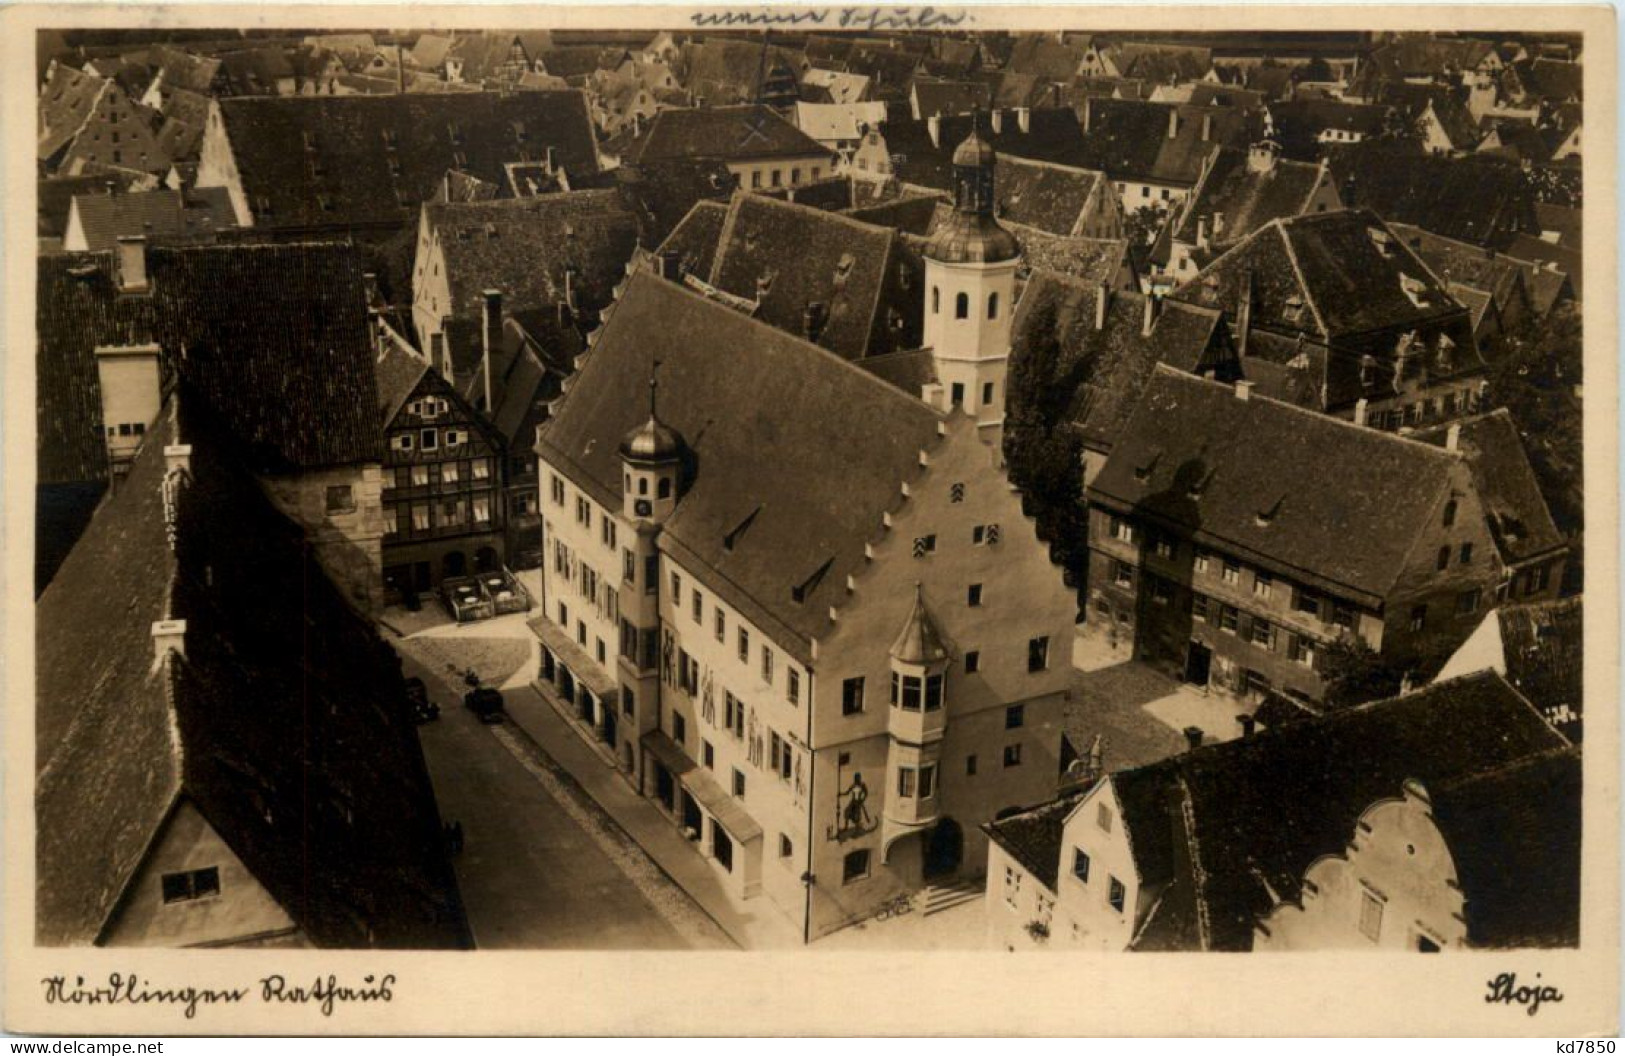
970	279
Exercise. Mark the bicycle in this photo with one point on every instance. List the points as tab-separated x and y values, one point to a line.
895	908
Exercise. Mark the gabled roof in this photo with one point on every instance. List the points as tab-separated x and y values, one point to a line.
1312	496
1129	139
1160	63
1035	838
1554	80
284	723
1248	200
1519	521
429	52
724	72
159	215
951	97
1478	199
1099	374
806	256
663	192
1042	194
274	337
1091	261
1265	807
1544	651
1550	257
358	144
1052	135
1469	265
1349	274
66	102
1044	58
524	247
726	133
827	121
694	241
812	482
399	370
255	71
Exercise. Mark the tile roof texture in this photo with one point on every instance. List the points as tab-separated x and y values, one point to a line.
1461	263
1129	140
159	215
1299	123
727	133
1052	135
810	444
950	97
1050	197
694	241
1478	199
355	140
868	286
1544	647
663	192
284	724
272	337
1034	837
1266	807
1245	199
1519	520
525	246
1306	494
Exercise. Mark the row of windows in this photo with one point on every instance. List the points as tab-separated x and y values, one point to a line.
1116	894
1411	414
980	535
910	689
962	304
1300	648
767	658
471	511
776	177
429	439
430	474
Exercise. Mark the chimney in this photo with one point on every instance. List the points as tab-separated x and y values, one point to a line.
550	168
1452	437
813	318
1193	736
1244	390
997	117
1150	316
1207	127
670	263
1201	232
1360	406
1024	119
637	125
1173	123
1103	295
132	264
1248	722
178	456
933	125
168	636
492	334
569	287
1244	314
445	187
1055	94
1086	109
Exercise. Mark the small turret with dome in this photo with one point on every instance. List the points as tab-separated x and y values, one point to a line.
652	464
972	234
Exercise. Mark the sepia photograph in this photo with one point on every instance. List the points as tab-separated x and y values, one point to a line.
795	480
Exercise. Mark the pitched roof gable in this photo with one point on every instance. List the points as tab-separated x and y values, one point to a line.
815	446
1519	520
1345	503
725	132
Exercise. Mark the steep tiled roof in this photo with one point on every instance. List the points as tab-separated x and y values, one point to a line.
1567	260
908	371
273	337
807	256
255	71
1161	63
1519	521
726	72
1310	495
1266	807
1101	373
284	723
185	113
399	370
912	214
1544	651
1554	80
524	246
1459	262
694	241
1300	122
1248	200
816	479
359	143
1478	199
1034	838
1052	135
724	132
951	97
1128	139
1044	58
663	192
65	104
161	215
1042	194
1088	260
182	69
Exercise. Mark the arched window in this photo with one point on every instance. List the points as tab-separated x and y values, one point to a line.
936	300
962	306
665	488
1450	513
993	306
643	485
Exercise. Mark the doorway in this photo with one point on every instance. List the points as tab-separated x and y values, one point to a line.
454	563
692	819
665	788
1198	664
944	848
485	559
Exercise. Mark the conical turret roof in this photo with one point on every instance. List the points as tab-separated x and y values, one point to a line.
919	642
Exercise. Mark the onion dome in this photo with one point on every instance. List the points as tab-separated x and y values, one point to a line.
974	152
653	441
919	642
970	234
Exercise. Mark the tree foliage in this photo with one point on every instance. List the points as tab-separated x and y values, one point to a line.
1535	374
1355	673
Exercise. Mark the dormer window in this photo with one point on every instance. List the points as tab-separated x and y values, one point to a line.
1368	369
1414	289
1382	240
1293	311
455	134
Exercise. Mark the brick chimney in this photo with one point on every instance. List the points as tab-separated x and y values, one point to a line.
178	456
1360	411
670	264
1193	736
1024	119
1452	437
132	264
491	333
997	117
1173	123
1207	127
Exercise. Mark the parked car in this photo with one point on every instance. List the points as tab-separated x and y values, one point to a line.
417	698
484	702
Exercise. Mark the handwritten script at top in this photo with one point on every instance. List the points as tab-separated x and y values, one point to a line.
862	18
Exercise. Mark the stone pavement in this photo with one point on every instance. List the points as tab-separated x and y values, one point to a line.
754	924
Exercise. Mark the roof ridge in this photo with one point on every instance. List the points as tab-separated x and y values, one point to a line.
1303	283
725	236
1511	766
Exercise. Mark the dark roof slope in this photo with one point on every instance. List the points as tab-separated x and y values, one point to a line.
787	257
1477	199
1519	520
1306	493
813	446
1052	135
1266	807
951	97
524	247
1043	194
274	337
1034	837
663	192
1129	139
1247	200
724	133
158	215
325	161
694	241
284	723
1544	646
